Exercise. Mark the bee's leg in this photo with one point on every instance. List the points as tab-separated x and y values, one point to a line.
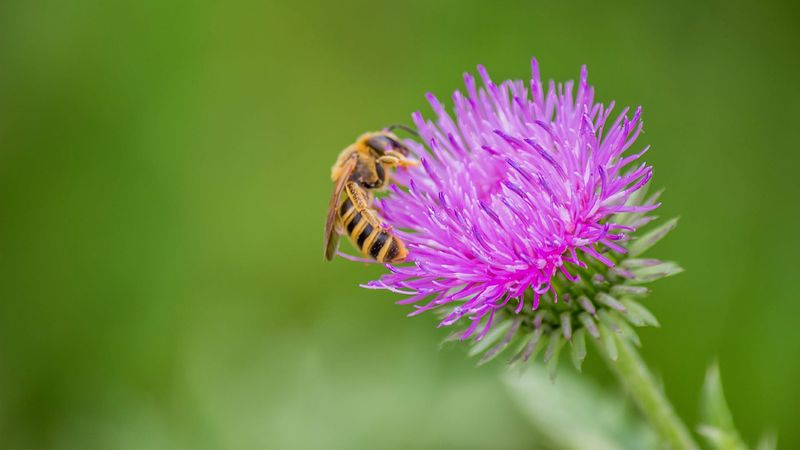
389	160
360	198
374	182
393	159
362	201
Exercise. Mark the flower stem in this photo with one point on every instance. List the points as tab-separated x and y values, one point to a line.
637	380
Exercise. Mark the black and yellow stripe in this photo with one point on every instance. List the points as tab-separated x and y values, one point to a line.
362	237
363	229
351	217
393	251
379	244
346	210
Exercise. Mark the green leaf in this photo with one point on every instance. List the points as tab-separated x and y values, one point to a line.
715	416
769	441
717	439
575	413
649	239
714	409
578	348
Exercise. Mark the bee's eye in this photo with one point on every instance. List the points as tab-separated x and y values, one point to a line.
396	145
380	144
400	147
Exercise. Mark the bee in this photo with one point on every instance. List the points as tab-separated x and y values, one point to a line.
360	169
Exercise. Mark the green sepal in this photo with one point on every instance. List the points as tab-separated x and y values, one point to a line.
635	263
589	324
566	324
497	349
657	272
491	337
639	315
552	352
649	239
529	348
611	302
605	319
607	337
587	305
625	328
635	199
578	348
627	290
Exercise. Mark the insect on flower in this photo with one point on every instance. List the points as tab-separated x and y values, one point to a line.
525	192
360	169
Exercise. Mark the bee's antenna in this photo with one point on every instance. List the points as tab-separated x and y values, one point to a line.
402	127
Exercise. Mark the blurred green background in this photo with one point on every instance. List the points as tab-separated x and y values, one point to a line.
164	177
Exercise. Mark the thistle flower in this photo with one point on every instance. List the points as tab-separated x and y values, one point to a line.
519	221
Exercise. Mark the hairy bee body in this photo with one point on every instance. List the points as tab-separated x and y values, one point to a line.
360	169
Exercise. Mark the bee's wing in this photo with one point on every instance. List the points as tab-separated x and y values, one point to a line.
331	235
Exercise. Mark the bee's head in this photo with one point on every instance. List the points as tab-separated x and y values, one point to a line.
385	141
400	146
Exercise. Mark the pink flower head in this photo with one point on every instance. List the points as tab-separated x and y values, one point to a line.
519	184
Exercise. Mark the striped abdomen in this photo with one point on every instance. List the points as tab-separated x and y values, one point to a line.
365	231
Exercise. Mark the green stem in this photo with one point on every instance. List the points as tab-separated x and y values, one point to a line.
633	374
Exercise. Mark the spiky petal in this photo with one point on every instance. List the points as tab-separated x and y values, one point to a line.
522	183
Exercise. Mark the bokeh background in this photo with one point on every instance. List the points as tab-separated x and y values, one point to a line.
164	178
